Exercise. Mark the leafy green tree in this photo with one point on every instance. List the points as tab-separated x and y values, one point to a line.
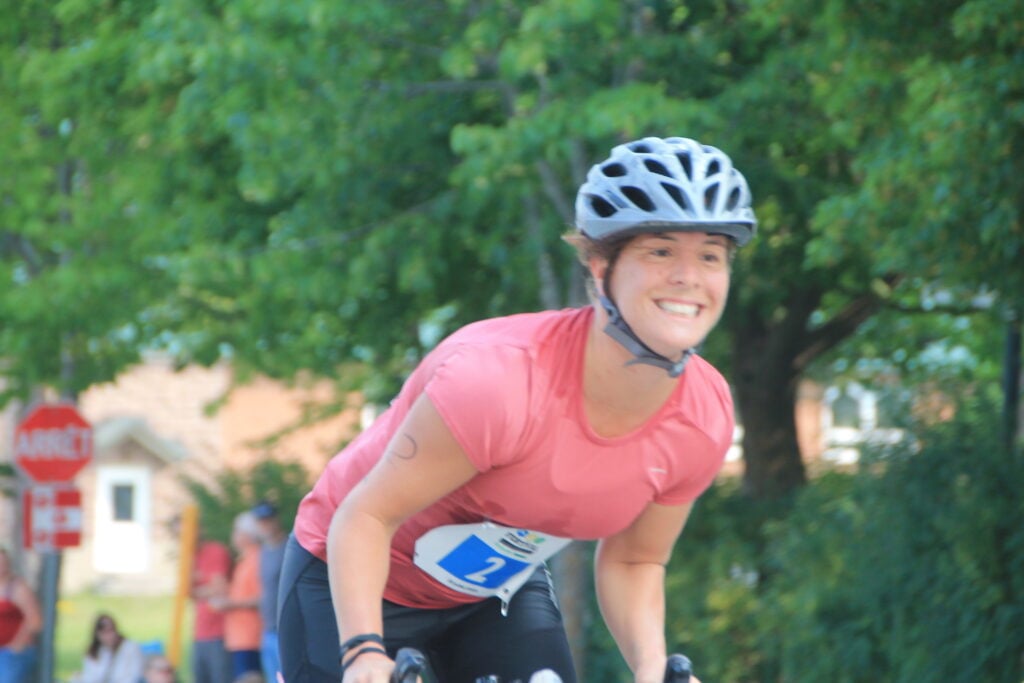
933	110
77	248
305	186
235	490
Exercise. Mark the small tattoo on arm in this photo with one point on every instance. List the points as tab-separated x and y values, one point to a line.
405	447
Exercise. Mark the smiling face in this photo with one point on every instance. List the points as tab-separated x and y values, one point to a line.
671	288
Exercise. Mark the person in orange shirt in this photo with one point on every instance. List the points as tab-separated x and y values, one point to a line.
243	627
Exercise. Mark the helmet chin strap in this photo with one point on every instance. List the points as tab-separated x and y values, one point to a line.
619	330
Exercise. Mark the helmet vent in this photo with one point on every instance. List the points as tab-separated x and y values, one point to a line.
639	197
714	167
613	170
678	196
601	206
655	167
684	159
711	196
734	199
640	148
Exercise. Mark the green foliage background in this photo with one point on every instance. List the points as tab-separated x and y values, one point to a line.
910	569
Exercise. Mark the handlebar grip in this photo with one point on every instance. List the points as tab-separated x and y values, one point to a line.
408	665
678	669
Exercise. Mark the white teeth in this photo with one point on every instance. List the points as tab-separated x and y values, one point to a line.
689	310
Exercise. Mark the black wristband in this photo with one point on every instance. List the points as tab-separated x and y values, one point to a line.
356	641
345	665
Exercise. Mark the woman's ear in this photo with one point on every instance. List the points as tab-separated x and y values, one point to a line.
598	267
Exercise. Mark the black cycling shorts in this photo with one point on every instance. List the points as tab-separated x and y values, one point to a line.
461	643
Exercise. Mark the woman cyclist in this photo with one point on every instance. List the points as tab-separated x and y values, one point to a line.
517	434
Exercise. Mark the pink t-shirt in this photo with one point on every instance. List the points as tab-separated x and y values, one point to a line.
510	391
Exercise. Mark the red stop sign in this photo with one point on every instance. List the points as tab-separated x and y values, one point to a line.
53	443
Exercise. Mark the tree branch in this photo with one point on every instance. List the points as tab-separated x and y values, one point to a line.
836	330
550	295
841	326
919	309
553	189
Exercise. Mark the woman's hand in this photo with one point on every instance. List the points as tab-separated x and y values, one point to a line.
371	667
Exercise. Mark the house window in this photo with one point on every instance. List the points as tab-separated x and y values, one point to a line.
846	412
124	502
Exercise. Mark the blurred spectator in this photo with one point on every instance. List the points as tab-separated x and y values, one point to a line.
241	607
110	658
159	670
211	662
273	536
20	621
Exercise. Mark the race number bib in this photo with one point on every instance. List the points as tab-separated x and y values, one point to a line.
484	559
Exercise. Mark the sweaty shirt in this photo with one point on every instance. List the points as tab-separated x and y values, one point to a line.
510	391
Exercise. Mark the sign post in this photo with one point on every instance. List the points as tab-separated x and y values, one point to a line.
51	445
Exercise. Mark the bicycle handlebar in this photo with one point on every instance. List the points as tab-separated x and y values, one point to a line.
409	664
678	669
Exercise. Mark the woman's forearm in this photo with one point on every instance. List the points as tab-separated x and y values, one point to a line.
358	557
632	601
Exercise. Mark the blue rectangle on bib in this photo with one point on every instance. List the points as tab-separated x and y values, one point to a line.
476	562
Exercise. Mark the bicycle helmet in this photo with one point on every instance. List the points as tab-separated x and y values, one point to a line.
661	185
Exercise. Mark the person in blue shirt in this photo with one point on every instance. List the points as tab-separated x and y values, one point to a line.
273	538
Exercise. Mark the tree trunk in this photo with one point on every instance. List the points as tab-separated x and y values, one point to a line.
765	375
766	401
769	357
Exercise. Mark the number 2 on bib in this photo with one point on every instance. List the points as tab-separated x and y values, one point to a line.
494	564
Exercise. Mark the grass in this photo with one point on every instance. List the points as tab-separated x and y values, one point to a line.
144	619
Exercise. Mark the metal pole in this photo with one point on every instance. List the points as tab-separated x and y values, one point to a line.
49	582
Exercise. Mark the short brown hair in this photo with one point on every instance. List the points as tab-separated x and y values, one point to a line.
587	248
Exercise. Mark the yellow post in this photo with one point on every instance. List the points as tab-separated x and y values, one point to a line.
189	533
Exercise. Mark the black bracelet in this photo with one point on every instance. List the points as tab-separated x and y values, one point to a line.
345	665
356	641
